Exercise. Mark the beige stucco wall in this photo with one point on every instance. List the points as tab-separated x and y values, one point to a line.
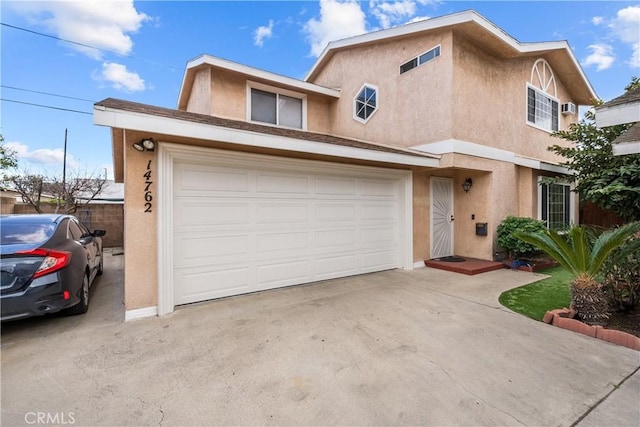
467	94
228	95
528	194
200	97
421	219
490	102
140	237
413	108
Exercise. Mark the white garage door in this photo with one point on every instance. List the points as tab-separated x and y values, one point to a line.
253	223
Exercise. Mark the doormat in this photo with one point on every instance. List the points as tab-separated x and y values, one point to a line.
450	259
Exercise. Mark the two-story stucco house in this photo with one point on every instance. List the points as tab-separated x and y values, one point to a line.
398	146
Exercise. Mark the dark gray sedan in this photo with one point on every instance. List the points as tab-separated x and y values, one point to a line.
48	264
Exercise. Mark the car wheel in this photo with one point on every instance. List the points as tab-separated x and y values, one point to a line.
101	265
83	305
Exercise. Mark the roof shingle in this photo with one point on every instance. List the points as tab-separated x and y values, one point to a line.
135	107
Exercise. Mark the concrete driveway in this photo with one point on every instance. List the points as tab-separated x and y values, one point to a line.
423	347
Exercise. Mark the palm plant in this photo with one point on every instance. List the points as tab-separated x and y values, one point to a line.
583	255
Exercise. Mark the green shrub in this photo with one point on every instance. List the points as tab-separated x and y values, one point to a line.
516	247
622	276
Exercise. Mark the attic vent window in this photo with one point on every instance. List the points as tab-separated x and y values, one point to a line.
365	103
420	59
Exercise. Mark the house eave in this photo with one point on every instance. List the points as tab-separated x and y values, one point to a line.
583	95
456	146
617	114
624	148
144	122
251	73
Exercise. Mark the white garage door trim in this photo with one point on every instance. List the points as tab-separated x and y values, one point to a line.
168	154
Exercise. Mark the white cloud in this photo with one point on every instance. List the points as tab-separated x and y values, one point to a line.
338	20
262	33
601	56
597	20
626	28
390	13
100	23
42	156
120	78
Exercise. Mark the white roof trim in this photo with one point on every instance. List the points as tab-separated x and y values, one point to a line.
105	116
618	114
445	21
456	146
541	165
623	148
256	73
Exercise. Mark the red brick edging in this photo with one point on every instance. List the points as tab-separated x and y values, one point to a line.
563	318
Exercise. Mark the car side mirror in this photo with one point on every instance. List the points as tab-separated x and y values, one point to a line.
99	233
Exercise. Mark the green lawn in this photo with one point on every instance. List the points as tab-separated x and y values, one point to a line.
535	299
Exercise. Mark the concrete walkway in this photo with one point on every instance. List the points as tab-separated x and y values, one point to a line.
423	347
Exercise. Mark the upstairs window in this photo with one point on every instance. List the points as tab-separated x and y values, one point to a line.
365	103
276	108
421	59
542	101
542	110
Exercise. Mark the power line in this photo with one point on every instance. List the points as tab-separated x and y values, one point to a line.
87	46
47	93
45	106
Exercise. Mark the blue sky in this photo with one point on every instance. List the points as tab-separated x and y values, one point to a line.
146	44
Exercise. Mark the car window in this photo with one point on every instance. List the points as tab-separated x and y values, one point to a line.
84	229
74	231
12	233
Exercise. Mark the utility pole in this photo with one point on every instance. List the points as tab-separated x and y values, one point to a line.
64	170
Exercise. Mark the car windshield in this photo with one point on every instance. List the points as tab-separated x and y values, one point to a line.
13	233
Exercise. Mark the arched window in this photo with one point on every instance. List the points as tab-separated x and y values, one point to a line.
542	101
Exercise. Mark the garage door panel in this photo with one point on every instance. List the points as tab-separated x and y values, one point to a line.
379	212
201	250
283	273
194	285
336	186
336	266
378	188
282	213
335	211
379	236
207	178
373	261
336	239
279	242
205	213
283	184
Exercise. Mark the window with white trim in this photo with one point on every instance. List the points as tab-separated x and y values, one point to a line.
556	205
280	108
365	103
542	110
420	59
542	101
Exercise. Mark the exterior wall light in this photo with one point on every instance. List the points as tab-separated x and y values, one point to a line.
466	185
147	144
